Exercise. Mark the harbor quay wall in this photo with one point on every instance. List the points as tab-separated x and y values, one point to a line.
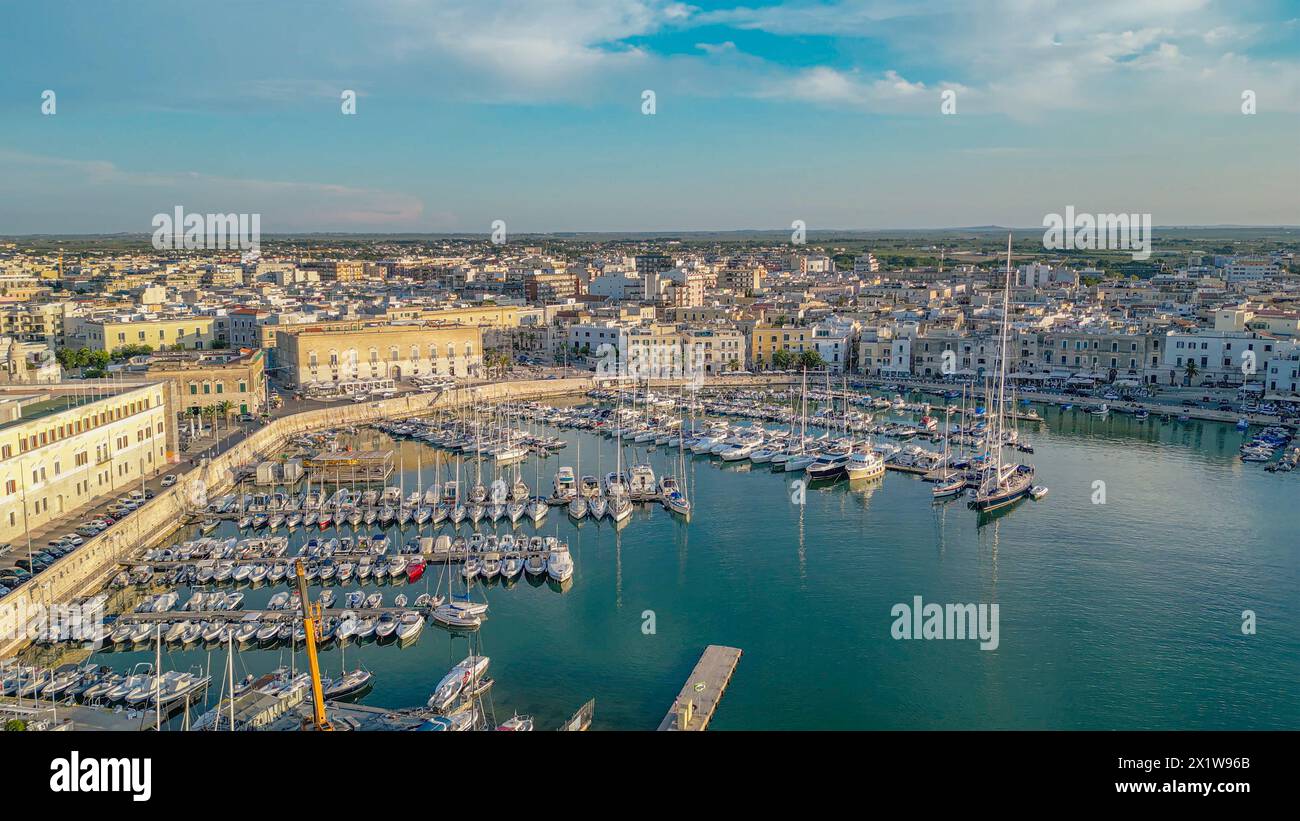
87	568
1087	402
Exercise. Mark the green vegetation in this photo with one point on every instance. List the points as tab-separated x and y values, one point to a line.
70	359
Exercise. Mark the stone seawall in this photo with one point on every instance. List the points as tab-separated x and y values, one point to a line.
90	566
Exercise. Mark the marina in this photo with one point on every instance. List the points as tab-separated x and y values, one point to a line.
655	557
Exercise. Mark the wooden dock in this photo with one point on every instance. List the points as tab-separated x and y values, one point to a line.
699	698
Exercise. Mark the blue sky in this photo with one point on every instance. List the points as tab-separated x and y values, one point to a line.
530	112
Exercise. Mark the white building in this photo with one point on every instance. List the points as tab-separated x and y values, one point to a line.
617	285
1216	356
65	446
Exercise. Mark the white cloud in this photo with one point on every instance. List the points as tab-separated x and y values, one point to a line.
104	192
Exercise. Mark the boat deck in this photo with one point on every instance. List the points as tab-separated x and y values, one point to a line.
703	690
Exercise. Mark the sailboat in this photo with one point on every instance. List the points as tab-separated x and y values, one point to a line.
1002	485
951	482
674	494
616	484
578	507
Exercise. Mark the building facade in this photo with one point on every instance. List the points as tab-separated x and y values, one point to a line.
203	379
360	351
64	447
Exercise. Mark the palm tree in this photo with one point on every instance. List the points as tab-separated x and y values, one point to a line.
211	410
225	407
1191	371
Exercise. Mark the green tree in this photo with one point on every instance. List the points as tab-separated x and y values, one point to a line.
782	359
811	360
15	725
1191	370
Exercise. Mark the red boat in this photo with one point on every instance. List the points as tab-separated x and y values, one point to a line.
414	570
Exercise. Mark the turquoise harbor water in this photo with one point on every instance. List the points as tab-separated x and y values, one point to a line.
1123	615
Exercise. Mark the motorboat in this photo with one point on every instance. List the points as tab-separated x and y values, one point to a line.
535	564
409	626
559	564
865	466
566	484
828	466
511	566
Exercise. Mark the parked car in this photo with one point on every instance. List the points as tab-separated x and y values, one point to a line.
88	530
74	539
5	547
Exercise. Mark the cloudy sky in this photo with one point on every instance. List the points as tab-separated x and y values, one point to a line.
530	111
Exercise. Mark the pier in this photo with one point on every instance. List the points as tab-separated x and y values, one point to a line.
698	700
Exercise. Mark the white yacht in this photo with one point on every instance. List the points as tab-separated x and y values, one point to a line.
559	565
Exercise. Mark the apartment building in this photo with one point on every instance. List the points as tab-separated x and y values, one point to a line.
28	322
766	340
109	334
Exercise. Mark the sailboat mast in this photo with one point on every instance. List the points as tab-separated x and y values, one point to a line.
1002	363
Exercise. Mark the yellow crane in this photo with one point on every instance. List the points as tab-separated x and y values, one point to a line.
311	615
